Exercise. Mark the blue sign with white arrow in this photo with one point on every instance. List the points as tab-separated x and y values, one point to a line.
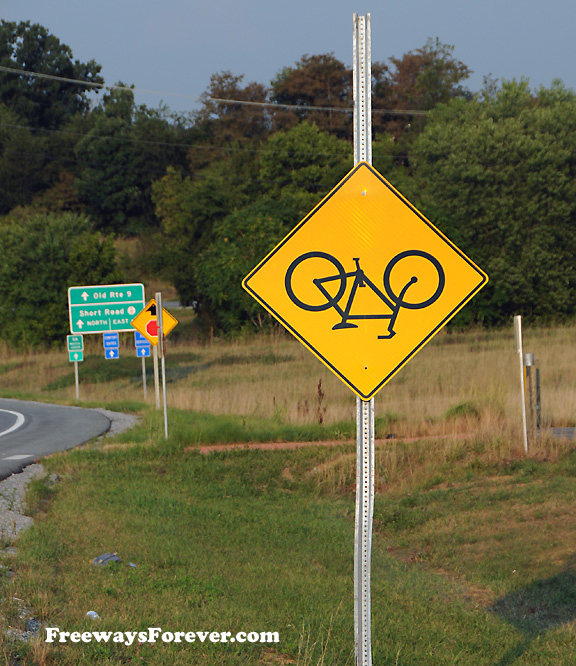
143	352
113	352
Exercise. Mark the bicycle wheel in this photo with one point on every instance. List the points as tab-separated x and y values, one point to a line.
420	298
319	291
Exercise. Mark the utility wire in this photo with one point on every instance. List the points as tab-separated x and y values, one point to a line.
187	146
292	107
197	176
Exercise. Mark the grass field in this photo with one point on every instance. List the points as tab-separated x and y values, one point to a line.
474	556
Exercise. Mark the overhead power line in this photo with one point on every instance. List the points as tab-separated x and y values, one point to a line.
292	107
187	146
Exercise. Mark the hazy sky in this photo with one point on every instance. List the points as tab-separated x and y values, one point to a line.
173	47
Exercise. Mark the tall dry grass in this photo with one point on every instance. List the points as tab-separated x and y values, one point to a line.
460	383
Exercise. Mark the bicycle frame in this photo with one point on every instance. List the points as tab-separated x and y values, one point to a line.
360	280
389	297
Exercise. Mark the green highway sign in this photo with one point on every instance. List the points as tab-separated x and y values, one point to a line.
75	356
103	308
75	343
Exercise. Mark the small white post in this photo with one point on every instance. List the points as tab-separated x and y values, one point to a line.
520	352
76	380
144	376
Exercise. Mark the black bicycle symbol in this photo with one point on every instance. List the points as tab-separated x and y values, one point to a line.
390	298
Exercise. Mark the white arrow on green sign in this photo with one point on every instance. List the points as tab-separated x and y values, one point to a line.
103	308
75	356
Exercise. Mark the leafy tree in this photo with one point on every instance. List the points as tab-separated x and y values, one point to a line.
43	102
304	161
109	182
22	163
127	149
43	255
239	242
429	76
499	177
189	207
220	123
208	221
318	80
418	81
62	197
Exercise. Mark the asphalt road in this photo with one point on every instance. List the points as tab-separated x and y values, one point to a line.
32	430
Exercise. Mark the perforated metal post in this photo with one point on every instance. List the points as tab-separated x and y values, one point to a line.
362	82
364	409
363	531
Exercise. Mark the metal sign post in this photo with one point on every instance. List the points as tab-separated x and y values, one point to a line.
156	382
76	380
162	351
144	376
75	345
154	323
364	409
142	345
366	225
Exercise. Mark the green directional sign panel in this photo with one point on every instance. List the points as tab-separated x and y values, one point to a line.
75	343
75	356
103	308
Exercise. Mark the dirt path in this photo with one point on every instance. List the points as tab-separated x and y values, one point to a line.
268	446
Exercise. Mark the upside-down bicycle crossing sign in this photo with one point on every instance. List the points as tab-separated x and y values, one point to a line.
365	280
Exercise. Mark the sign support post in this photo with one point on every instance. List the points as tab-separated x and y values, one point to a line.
76	380
161	344
305	283
365	443
153	323
156	380
75	345
144	376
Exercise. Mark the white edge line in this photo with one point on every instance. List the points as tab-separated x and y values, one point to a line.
19	422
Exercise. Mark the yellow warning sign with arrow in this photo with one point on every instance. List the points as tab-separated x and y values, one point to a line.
146	322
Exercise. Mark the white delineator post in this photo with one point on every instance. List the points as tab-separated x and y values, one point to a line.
364	408
520	352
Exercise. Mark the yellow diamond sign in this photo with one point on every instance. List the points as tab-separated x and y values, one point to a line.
365	281
146	322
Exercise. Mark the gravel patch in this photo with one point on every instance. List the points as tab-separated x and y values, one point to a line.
13	521
12	491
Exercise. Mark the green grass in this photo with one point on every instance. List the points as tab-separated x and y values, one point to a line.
473	558
472	563
193	429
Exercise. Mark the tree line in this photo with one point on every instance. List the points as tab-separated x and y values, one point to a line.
209	193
